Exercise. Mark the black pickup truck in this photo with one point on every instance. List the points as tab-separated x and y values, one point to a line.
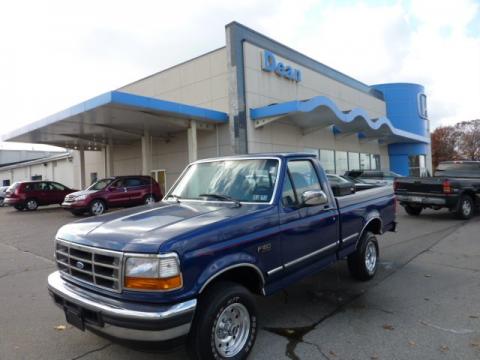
455	185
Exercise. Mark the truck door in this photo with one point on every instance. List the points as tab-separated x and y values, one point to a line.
309	233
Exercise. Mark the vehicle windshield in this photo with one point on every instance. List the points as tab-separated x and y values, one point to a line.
100	184
249	180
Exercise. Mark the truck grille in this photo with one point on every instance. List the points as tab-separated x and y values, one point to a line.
102	268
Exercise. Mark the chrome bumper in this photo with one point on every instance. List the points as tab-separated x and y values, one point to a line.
124	320
421	199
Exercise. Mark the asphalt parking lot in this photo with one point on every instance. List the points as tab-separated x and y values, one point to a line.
423	304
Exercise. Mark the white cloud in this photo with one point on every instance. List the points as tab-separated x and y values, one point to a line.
55	54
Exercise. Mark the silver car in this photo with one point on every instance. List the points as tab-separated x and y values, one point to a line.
3	190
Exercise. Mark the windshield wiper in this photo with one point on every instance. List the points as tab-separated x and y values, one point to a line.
176	197
222	197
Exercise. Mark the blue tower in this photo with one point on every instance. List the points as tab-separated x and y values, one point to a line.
407	110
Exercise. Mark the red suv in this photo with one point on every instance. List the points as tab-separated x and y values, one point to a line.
113	192
28	195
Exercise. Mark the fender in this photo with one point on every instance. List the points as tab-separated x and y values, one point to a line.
222	265
373	215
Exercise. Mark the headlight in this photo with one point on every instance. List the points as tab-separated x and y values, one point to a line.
153	272
81	197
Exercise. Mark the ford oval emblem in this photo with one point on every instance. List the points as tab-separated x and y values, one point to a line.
80	265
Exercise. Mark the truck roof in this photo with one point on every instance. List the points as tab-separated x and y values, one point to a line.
285	155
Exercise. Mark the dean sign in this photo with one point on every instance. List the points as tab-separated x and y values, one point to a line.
270	64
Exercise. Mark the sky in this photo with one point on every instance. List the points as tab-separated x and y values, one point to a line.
54	54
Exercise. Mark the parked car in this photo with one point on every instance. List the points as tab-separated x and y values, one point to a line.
375	177
358	184
190	264
29	195
455	186
3	192
115	191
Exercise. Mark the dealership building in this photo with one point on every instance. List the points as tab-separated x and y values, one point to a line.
252	95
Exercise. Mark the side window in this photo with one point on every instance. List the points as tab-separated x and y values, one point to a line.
119	183
57	186
131	182
304	176
288	195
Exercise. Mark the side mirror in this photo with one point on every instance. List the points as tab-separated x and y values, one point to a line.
314	197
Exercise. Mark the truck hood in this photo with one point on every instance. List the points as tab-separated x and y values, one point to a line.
145	228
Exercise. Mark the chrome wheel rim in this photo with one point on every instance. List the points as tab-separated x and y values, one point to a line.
370	257
31	204
149	200
232	330
97	208
466	207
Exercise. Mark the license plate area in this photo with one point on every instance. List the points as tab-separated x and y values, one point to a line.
416	199
75	317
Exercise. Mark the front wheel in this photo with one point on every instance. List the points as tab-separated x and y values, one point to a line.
97	207
413	210
465	207
225	324
363	263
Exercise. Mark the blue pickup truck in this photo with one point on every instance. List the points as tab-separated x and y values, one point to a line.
229	228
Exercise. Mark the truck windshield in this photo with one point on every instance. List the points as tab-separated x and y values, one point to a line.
459	169
249	180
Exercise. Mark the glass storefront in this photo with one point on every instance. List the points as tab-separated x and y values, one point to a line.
353	161
327	159
417	165
341	162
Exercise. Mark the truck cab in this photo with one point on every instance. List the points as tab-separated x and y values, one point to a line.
228	228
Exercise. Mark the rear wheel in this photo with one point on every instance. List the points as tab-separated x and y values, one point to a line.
413	210
149	199
97	207
31	204
465	207
363	263
225	324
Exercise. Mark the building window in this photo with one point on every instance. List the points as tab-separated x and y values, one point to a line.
417	165
93	177
341	162
364	161
6	182
422	106
327	159
353	161
375	161
36	177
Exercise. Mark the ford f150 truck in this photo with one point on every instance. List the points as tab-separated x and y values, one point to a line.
455	185
227	229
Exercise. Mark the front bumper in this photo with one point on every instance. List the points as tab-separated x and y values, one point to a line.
121	319
74	205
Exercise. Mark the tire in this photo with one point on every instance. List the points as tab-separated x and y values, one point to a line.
413	210
149	199
97	207
31	204
225	323
363	263
2	201
19	207
465	207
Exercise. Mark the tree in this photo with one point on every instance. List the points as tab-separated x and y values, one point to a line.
444	144
469	139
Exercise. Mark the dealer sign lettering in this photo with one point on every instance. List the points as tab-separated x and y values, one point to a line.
270	64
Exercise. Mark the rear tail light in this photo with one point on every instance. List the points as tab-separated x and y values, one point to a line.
446	187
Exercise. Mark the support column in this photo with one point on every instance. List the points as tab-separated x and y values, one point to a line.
146	153
108	159
81	153
192	141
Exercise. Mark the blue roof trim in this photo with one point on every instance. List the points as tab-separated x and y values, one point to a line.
307	106
125	99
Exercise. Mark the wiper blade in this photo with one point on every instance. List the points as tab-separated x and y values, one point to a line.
176	197
221	197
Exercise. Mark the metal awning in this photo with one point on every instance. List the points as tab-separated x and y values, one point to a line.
321	112
115	118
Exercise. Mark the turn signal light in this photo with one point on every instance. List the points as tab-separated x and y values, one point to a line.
446	187
140	283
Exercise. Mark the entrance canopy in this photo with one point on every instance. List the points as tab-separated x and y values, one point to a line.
115	118
320	112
